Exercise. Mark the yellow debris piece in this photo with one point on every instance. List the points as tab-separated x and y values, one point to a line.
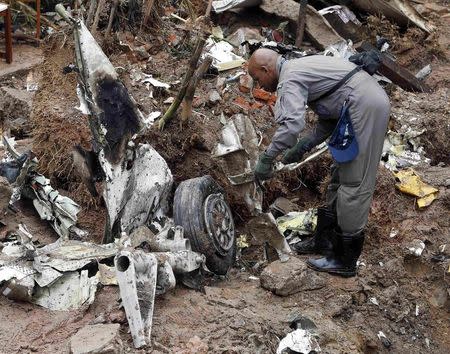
304	223
242	242
425	201
410	183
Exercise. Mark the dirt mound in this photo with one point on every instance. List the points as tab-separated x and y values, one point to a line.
57	126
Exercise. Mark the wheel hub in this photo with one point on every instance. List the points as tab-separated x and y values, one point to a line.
219	223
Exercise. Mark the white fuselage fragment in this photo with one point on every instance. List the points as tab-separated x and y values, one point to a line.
135	194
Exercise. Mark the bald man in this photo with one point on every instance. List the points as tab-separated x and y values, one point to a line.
353	110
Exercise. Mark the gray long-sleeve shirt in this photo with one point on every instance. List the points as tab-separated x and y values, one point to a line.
302	80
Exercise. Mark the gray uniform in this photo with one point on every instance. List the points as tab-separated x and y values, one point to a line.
302	80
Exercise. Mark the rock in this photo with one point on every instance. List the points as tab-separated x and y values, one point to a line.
290	277
214	97
99	319
141	53
237	324
297	320
220	83
439	297
15	108
99	338
198	102
5	194
437	8
196	346
245	83
426	229
118	316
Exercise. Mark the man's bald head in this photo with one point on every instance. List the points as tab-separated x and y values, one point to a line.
262	67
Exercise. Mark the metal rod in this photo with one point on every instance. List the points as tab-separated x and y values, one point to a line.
301	23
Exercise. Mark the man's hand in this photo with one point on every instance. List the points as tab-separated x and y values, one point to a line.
295	153
264	167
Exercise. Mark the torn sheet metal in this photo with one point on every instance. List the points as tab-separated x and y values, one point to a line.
71	255
51	273
264	229
151	118
59	210
230	141
155	83
46	276
136	274
410	183
344	13
16	167
341	49
299	341
295	224
344	21
283	206
416	247
252	35
83	107
17	278
240	138
114	117
402	149
399	11
22	247
16	269
223	5
19	289
166	278
181	261
135	195
69	292
424	72
222	55
107	275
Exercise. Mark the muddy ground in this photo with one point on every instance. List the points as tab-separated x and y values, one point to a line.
235	314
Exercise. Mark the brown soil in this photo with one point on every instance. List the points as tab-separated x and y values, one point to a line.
236	315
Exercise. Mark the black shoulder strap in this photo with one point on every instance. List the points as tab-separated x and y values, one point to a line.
338	85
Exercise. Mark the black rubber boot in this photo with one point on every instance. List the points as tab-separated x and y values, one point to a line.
347	250
319	243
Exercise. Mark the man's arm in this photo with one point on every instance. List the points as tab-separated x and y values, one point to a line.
290	115
323	129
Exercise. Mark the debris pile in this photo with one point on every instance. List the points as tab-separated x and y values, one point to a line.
96	146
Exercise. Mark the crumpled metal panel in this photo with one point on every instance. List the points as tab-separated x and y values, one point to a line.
134	195
59	210
69	292
70	255
94	60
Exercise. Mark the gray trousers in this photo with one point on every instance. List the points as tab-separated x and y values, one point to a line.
353	183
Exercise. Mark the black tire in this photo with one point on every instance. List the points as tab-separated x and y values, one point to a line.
191	198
